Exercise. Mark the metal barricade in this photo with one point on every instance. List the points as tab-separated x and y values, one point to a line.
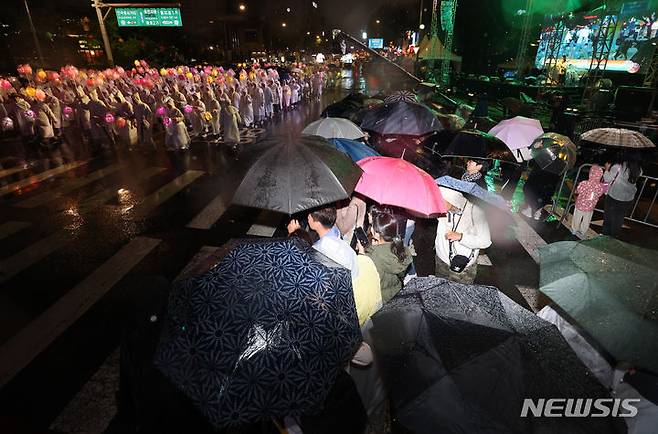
643	179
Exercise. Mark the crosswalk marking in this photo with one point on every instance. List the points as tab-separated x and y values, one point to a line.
11	188
484	260
8	172
265	225
74	184
529	239
97	397
111	192
209	215
23	347
155	199
204	253
11	227
13	265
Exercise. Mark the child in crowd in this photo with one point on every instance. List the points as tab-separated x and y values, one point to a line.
588	193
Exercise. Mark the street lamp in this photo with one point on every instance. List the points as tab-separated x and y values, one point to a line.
377	21
283	24
422	27
242	7
287	9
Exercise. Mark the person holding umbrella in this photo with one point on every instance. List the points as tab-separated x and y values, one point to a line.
460	235
621	176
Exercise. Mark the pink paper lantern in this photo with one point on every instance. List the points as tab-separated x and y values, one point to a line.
109	118
167	121
29	114
161	111
5	84
188	108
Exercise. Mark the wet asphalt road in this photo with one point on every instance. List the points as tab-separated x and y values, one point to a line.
70	231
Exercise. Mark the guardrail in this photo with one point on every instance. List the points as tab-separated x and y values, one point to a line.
643	179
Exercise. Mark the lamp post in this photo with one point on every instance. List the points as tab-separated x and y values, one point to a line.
34	34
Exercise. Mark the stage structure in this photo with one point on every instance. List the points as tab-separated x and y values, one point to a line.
651	78
553	46
602	46
521	53
448	12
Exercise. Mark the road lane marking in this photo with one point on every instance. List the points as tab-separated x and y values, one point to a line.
153	200
8	172
11	188
11	227
111	192
209	215
74	184
266	224
32	254
28	343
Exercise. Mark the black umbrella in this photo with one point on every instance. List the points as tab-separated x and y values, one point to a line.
401	118
261	335
478	144
291	175
347	107
462	358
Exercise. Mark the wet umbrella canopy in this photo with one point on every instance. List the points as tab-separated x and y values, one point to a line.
262	334
477	144
462	358
355	149
330	128
609	289
291	175
554	153
402	117
473	190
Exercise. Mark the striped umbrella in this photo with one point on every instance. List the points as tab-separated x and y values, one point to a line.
401	95
618	137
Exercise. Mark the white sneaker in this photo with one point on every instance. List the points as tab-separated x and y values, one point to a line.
527	212
537	215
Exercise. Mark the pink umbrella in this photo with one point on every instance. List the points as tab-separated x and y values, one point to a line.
397	182
518	132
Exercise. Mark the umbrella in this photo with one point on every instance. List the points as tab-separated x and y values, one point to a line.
293	175
608	288
401	95
406	118
262	334
477	144
396	182
518	132
474	190
355	149
554	152
330	128
618	137
347	107
462	358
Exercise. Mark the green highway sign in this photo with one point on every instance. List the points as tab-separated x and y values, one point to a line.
149	17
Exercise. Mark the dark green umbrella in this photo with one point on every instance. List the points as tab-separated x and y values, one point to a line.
609	290
290	175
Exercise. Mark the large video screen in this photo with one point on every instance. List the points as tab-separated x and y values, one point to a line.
633	42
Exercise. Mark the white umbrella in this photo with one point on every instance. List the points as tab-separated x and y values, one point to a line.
618	137
518	134
334	128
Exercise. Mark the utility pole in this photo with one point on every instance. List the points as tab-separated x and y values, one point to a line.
101	22
34	34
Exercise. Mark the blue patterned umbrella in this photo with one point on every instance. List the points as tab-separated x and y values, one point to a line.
474	190
260	335
355	149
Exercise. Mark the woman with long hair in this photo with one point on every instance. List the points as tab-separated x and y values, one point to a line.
388	252
621	175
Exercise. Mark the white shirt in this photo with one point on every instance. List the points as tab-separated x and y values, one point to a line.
474	229
338	251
